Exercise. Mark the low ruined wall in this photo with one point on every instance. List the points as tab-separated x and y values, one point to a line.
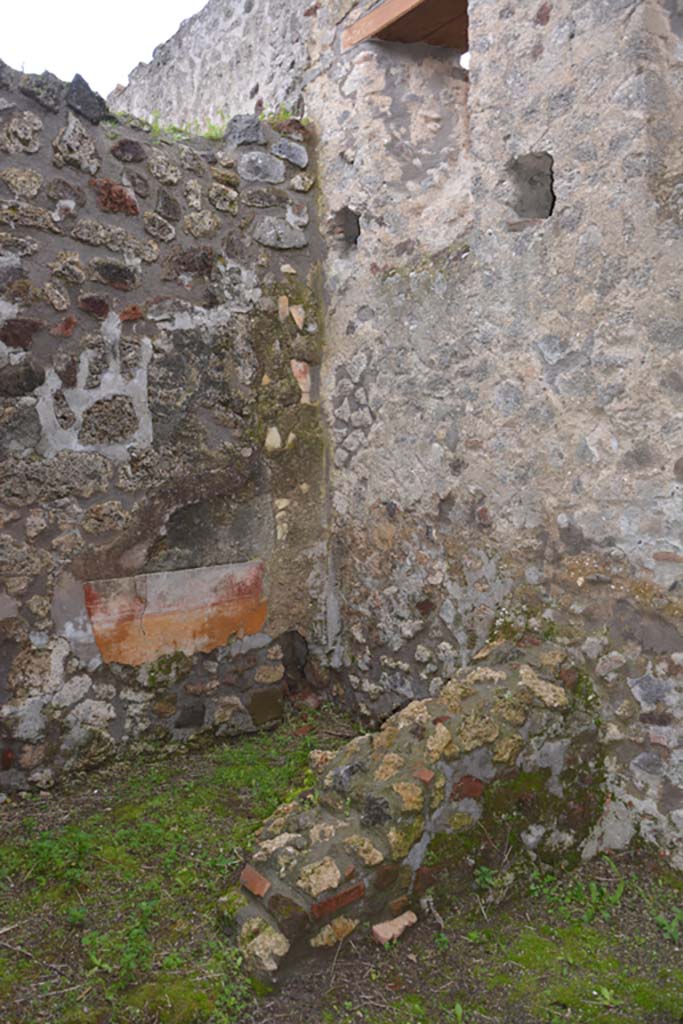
161	490
505	756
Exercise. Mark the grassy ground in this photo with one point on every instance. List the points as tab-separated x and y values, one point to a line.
107	916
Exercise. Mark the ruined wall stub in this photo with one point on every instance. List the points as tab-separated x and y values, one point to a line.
161	495
503	373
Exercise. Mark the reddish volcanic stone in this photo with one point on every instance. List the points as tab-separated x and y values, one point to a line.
339	900
114	198
424	878
253	881
7	760
468	786
64	330
18	332
425	775
95	305
570	677
131	313
386	875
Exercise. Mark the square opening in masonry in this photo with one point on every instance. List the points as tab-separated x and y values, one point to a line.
346	227
437	22
532	179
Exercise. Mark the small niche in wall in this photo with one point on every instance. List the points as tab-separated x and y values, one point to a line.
532	180
345	225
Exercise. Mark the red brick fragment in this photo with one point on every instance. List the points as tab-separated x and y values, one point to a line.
350	872
442	719
570	677
65	328
7	759
339	900
131	313
468	786
114	198
253	881
425	775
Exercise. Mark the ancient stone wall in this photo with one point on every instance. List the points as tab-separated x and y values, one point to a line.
161	493
502	373
198	77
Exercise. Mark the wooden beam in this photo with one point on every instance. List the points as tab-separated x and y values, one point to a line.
438	22
377	20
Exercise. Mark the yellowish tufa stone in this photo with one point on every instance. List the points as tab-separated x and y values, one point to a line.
320	876
507	748
263	945
272	673
627	709
417	712
440	744
402	840
549	694
389	765
23	183
268	847
364	849
460	820
477	731
385	739
334	932
438	792
552	659
453	694
319	759
484	652
511	710
412	796
322	833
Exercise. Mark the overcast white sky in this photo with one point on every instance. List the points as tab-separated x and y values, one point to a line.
102	42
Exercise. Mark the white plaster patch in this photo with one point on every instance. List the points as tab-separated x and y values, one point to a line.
79	398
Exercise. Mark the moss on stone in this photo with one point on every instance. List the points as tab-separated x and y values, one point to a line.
166	670
174	1000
